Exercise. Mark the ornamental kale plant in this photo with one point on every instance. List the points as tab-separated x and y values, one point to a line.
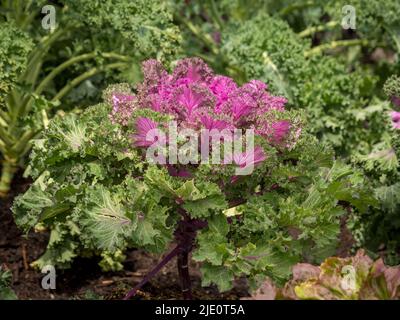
381	225
138	170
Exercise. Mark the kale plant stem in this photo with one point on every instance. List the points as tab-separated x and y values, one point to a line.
335	44
153	272
183	270
311	30
7	173
185	235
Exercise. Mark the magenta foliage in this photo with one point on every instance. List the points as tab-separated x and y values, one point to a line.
122	108
256	156
395	119
144	126
198	99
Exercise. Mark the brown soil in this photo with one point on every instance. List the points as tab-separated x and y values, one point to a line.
85	279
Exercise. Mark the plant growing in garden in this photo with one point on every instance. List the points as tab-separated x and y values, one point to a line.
381	165
98	189
39	68
353	278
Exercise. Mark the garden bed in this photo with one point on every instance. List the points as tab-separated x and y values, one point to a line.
85	280
114	109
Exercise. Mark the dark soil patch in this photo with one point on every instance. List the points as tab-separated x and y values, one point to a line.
85	280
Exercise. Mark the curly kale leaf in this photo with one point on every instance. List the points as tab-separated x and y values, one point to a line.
255	47
62	248
106	218
75	153
146	25
375	20
200	200
15	45
6	293
392	87
271	232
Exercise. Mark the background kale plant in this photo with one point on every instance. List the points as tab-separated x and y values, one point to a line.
381	166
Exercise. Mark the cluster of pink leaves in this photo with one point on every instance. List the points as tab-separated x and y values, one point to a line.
395	115
395	119
198	99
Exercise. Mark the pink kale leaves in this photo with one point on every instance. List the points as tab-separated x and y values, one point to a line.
197	99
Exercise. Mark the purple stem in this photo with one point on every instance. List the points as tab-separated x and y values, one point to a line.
185	235
396	101
183	270
153	272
